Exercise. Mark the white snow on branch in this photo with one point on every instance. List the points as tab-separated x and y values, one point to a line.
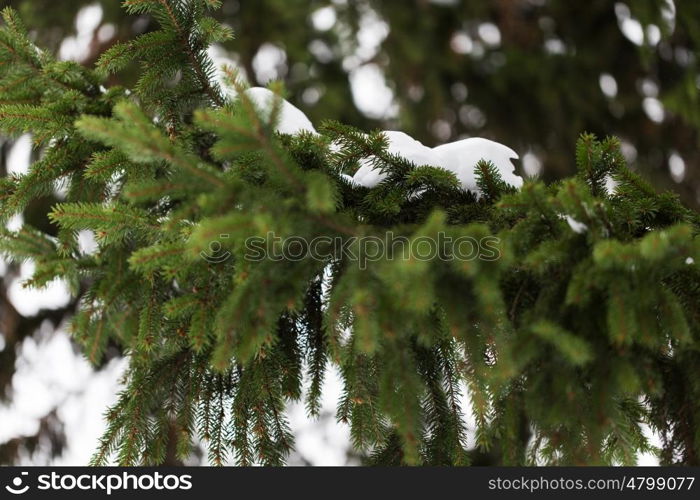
291	120
576	226
462	156
459	157
399	144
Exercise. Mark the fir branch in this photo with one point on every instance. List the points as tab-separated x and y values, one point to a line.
204	79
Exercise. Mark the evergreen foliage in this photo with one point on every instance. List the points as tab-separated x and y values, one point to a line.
563	343
452	72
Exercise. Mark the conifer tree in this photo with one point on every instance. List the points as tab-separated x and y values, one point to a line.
580	330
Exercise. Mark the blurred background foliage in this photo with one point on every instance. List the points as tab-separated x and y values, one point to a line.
532	74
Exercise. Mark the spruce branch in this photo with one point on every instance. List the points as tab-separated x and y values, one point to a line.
174	181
